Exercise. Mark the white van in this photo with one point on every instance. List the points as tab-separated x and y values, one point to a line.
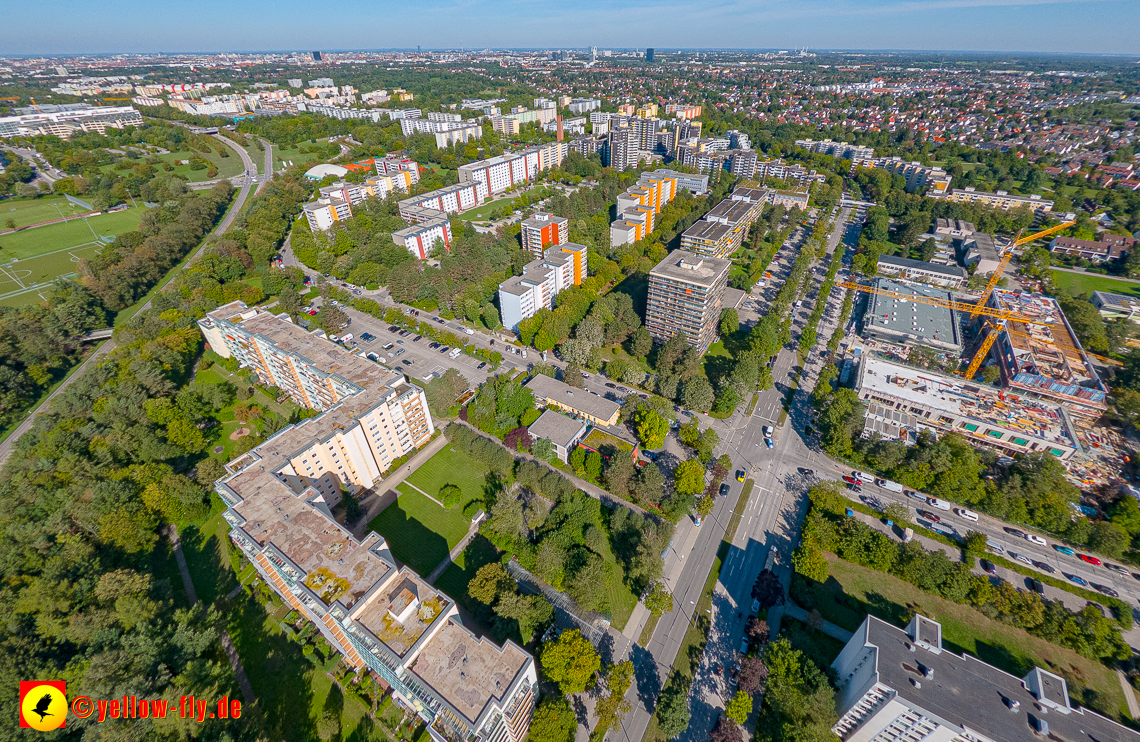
889	485
455	352
347	337
468	330
964	514
934	502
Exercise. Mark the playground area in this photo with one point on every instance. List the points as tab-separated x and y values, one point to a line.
31	259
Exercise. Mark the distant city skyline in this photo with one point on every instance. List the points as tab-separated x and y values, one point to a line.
120	26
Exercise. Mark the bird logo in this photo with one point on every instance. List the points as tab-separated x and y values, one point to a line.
43	705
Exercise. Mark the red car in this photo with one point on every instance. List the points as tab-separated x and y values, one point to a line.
1089	559
851	480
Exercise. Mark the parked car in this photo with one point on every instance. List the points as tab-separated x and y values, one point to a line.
744	645
1033	538
929	516
768	442
406	362
851	480
1064	550
740	475
1021	558
1045	567
1089	559
1037	587
854	488
445	348
724	490
988	566
1107	590
1015	532
1116	568
916	495
1077	579
417	338
482	365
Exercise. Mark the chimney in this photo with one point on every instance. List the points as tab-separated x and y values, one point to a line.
559	120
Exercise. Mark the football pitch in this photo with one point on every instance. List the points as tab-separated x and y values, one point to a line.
32	259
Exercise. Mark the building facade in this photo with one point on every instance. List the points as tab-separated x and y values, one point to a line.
1000	200
326	211
424	236
523	296
686	294
501	173
543	230
66	122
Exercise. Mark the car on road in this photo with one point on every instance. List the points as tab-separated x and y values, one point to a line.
724	490
853	480
768	442
406	362
768	431
1021	558
1037	587
733	675
611	385
854	488
740	475
744	645
1077	579
807	472
441	321
1064	550
1116	568
929	516
1089	559
988	566
1107	590
1033	538
1015	532
916	495
1045	567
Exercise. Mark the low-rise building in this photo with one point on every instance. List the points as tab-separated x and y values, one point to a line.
837	149
950	276
563	432
577	402
65	122
953	228
903	684
1108	247
1000	200
522	296
979	248
1116	306
908	322
686	294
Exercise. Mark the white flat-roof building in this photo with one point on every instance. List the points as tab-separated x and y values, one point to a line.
420	238
522	296
501	173
64	123
1000	200
326	211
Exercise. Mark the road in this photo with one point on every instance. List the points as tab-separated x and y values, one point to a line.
43	169
235	208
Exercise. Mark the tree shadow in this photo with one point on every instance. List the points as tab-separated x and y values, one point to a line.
203	552
646	676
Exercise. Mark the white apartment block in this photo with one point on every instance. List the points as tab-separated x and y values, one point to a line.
402	166
382	618
1000	200
501	173
446	132
522	296
837	149
542	230
420	238
918	176
449	200
901	685
580	106
326	211
66	122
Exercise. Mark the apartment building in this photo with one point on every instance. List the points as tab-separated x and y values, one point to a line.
542	230
901	684
541	280
725	227
450	199
682	110
1107	248
447	133
918	176
382	618
698	185
837	149
64	123
422	237
587	145
1000	200
621	149
501	173
638	205
326	211
686	294
401	167
582	106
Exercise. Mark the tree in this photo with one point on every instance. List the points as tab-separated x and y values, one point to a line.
572	376
726	731
649	485
619	473
1109	539
332	319
705	506
1125	513
451	496
767	589
974	543
491	317
570	661
658	599
543	449
697	394
613	707
640	342
729	322
594	465
809	561
651	428
739	707
491	581
553	721
689	477
578	459
753	673
990	374
673	708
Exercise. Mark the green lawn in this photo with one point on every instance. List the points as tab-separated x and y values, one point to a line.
75	233
1089	282
419	532
220	435
852	591
451	467
227	166
282	155
35	211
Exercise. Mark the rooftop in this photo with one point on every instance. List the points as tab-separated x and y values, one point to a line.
686	267
956	396
320	172
731	212
919	322
399	614
557	428
949	270
707	231
1116	301
541	219
966	692
579	399
468	672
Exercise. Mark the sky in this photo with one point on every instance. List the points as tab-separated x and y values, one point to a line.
110	26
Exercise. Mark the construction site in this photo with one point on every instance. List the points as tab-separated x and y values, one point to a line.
921	354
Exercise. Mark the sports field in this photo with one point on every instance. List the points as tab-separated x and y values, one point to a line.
35	211
30	260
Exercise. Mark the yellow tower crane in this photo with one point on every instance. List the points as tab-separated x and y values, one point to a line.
997	274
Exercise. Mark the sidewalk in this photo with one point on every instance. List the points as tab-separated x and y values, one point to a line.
454	553
794	611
